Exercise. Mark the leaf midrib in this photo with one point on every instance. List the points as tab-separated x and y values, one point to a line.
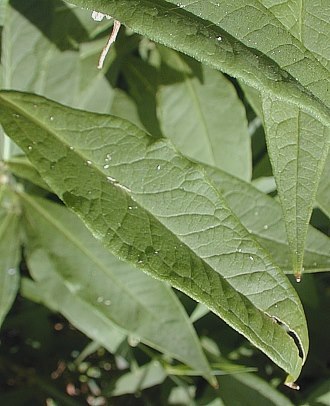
189	83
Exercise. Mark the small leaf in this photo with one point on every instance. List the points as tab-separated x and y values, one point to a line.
54	294
141	378
154	208
9	250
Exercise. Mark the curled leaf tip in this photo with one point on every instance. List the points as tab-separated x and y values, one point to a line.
298	275
292	385
214	383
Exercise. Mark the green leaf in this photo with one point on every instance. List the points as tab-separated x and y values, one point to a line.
141	378
42	53
154	208
323	193
298	146
308	21
249	390
262	216
241	38
3	5
21	167
263	219
9	249
203	116
98	293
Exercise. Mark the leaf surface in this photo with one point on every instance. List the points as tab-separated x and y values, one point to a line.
241	38
250	390
100	294
323	193
205	119
258	212
154	208
9	250
262	216
298	146
50	59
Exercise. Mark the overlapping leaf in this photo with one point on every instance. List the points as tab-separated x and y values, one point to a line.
298	146
258	212
323	193
9	249
39	55
262	216
154	208
203	116
243	39
98	293
248	40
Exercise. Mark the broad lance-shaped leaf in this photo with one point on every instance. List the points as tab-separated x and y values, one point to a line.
241	38
9	248
98	293
151	206
298	146
205	119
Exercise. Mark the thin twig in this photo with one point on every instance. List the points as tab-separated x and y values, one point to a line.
111	40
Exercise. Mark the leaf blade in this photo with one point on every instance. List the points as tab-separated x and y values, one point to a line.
285	78
149	185
298	146
214	128
262	216
99	293
9	251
